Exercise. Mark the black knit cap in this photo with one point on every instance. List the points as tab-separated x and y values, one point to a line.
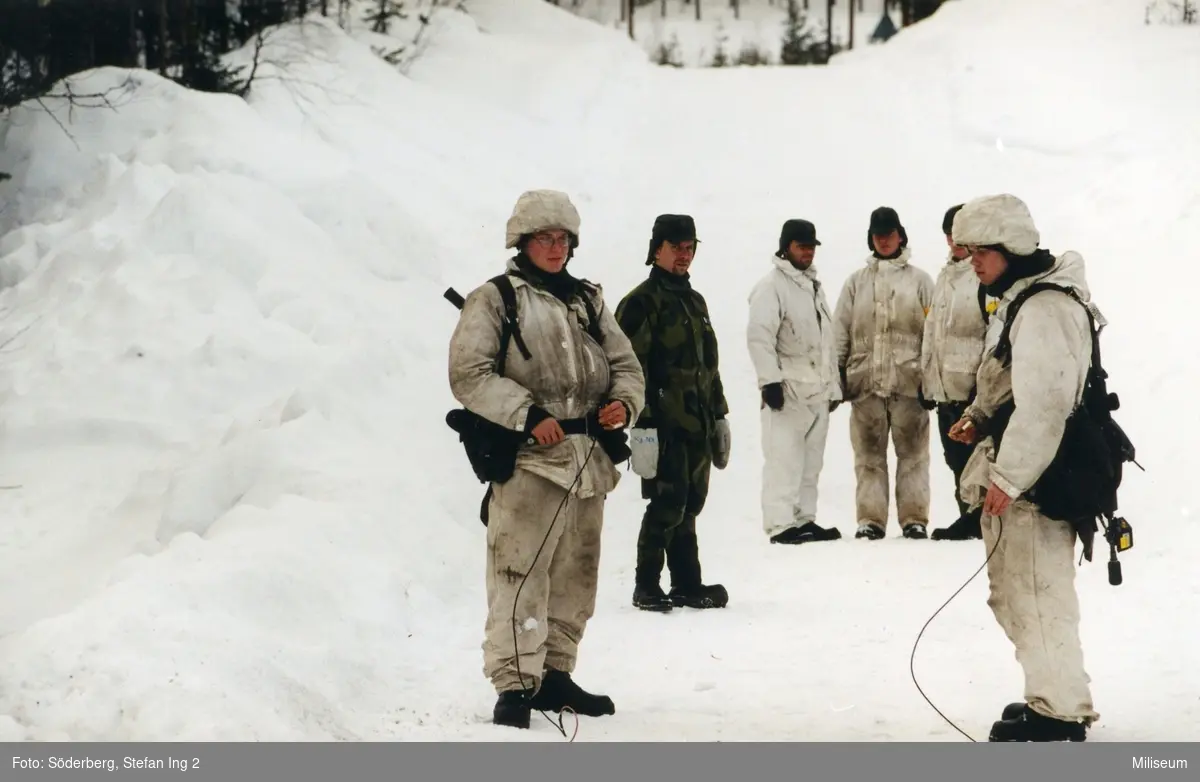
884	220
670	228
948	220
800	231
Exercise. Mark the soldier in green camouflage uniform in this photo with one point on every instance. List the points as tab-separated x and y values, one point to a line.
682	432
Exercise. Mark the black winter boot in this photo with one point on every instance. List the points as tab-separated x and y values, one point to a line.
512	709
559	691
651	597
869	531
806	534
915	532
1013	710
966	527
702	596
1031	726
683	560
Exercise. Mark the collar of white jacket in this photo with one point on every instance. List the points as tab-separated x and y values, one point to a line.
898	262
785	266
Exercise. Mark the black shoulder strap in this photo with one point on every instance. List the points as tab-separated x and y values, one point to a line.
510	328
593	324
1003	350
983	310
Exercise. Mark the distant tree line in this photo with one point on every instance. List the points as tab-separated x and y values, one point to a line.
911	11
1173	12
43	41
800	45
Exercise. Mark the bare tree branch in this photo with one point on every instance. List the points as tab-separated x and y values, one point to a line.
4	345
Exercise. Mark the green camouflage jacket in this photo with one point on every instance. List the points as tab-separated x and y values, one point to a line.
667	322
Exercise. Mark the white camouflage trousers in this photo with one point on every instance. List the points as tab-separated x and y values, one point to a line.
872	420
793	446
558	597
1032	583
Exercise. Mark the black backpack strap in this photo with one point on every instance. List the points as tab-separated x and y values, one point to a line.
983	310
510	327
1095	386
1003	349
593	324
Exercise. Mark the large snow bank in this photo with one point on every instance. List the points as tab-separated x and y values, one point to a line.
222	375
223	394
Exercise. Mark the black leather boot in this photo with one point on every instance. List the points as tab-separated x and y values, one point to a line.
651	597
966	527
1031	726
512	709
700	596
688	589
793	536
869	531
559	691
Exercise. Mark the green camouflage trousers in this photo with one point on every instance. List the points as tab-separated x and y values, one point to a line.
677	495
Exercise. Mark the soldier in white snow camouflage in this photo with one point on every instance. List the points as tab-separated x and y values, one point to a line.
539	604
879	322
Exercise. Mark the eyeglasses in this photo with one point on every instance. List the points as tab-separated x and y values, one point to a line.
548	240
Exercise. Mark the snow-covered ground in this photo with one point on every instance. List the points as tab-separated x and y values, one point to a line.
239	514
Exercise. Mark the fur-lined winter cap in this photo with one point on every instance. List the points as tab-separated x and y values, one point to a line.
541	210
884	220
670	228
802	232
997	220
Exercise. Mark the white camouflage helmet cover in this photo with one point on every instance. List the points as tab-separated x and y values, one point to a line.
541	210
997	219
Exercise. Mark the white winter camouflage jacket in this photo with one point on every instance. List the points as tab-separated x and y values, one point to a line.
879	323
790	333
1051	354
569	375
952	346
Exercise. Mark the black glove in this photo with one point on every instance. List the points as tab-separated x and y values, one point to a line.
772	395
534	417
925	403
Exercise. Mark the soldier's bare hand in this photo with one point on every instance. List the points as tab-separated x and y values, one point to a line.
996	501
963	431
612	415
548	432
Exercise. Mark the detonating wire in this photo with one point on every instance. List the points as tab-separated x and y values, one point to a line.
912	658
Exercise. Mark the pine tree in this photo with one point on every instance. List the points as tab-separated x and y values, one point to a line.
798	46
720	56
382	13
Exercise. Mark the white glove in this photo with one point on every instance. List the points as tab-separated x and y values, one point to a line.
643	447
722	441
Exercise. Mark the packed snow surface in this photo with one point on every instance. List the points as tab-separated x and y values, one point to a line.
232	508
